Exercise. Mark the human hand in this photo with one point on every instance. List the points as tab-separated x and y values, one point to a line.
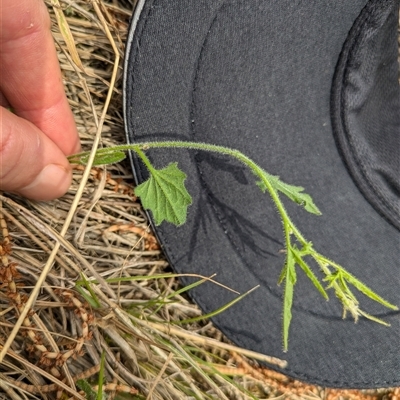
36	137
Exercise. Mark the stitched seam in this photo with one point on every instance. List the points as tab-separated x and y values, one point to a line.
192	129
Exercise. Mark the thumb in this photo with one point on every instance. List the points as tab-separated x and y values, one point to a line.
30	163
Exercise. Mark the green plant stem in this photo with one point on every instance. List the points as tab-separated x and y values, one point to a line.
337	277
145	160
288	226
138	148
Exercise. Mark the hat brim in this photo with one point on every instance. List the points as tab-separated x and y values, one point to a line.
195	72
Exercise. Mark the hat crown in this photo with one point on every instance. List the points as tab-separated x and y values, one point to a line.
365	107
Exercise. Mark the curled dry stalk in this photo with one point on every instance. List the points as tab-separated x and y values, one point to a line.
41	346
165	194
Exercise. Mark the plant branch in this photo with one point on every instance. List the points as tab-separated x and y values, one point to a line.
165	195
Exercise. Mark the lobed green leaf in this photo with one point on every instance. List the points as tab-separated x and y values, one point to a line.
165	194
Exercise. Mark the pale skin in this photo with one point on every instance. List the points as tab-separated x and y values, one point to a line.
40	132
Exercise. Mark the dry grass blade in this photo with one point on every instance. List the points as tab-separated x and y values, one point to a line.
66	33
84	274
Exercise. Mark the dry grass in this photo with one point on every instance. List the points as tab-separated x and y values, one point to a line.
83	276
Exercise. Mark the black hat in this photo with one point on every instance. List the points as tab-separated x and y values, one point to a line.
309	90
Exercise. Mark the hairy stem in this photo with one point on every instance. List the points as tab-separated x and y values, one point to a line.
337	277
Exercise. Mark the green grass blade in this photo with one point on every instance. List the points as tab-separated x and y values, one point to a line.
178	292
217	311
92	299
100	394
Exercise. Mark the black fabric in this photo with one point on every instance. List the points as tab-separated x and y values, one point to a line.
257	75
366	104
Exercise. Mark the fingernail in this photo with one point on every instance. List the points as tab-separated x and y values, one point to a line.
52	182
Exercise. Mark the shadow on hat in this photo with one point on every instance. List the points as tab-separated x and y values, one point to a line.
309	90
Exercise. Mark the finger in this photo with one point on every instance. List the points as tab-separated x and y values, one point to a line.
3	101
30	163
31	79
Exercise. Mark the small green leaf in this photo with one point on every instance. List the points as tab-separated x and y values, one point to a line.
165	194
262	186
111	157
310	274
366	290
290	281
307	249
293	192
373	318
282	275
